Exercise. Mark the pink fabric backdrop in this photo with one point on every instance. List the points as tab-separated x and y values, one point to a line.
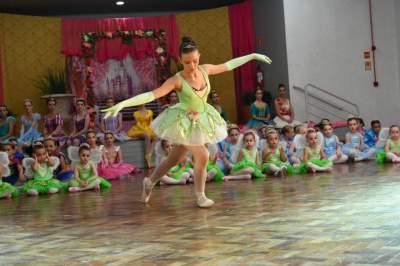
72	28
243	43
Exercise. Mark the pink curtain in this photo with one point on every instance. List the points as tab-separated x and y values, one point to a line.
114	49
243	43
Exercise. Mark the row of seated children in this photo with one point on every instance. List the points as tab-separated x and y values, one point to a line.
293	150
49	170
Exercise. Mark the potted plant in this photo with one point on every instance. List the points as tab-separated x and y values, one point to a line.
54	84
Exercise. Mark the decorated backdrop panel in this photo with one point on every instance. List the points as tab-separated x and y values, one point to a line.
210	28
30	45
119	79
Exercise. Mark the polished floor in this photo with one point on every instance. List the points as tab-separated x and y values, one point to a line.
349	217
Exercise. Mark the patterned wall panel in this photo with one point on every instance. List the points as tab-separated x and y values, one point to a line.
31	45
210	29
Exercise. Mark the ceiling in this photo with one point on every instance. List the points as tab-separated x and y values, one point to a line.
105	7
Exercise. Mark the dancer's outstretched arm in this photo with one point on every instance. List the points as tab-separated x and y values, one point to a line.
168	86
234	63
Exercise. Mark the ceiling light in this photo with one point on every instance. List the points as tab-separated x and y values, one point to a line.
120	3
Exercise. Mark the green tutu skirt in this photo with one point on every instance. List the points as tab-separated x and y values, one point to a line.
380	157
289	167
43	186
321	163
7	188
220	175
177	171
246	164
104	184
174	124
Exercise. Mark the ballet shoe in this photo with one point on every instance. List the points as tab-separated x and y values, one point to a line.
147	188
202	201
182	181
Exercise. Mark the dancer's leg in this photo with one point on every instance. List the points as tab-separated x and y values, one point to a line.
200	156
174	157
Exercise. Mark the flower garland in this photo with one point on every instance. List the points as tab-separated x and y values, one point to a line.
88	44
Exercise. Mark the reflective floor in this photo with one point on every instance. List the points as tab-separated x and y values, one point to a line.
350	217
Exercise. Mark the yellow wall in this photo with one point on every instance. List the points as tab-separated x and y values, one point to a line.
210	29
31	45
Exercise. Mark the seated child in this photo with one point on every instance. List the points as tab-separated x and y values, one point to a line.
112	165
6	189
177	175
249	162
63	171
332	146
287	139
297	148
41	168
372	134
392	147
231	148
314	156
15	165
85	173
214	172
112	124
275	161
354	146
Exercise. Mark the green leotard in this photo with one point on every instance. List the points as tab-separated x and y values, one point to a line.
86	174
248	161
394	146
192	121
274	159
314	156
43	180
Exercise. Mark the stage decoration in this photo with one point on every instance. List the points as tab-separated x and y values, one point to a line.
128	37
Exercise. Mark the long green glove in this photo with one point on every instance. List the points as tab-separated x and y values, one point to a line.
236	62
134	101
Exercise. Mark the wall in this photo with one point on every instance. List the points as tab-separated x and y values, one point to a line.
269	22
31	45
325	44
210	29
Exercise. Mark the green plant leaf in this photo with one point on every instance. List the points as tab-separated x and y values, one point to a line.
54	81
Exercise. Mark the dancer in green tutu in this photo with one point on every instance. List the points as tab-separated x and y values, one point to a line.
314	156
275	161
249	162
191	123
41	169
6	189
85	173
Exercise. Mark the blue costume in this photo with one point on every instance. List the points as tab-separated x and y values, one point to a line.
259	112
370	138
355	148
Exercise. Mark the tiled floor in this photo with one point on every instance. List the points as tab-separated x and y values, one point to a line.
350	217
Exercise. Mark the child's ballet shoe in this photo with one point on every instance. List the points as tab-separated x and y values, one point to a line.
202	201
147	188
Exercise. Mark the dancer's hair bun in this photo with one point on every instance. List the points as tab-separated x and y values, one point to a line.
187	45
